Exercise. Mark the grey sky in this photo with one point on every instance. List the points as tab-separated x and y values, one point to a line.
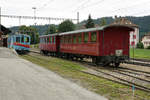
69	8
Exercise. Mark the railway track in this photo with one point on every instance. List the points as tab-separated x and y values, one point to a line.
121	81
135	73
141	62
118	74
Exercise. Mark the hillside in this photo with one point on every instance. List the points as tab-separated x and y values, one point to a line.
142	22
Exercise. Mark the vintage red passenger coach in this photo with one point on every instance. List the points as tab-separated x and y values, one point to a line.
107	44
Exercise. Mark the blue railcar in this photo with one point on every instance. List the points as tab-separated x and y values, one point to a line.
19	42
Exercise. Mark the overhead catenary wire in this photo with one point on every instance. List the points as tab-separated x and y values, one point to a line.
32	17
131	8
80	7
90	5
45	4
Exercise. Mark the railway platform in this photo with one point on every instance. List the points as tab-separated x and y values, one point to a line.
23	80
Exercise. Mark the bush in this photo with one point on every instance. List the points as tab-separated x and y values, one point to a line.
148	47
140	45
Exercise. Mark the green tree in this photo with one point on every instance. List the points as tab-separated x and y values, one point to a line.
51	29
102	22
30	31
140	45
65	26
148	47
89	23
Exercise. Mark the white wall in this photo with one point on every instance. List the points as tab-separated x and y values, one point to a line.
146	41
136	39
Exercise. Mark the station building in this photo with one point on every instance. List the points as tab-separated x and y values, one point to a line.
3	32
146	40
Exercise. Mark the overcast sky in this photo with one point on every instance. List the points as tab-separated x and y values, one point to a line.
69	9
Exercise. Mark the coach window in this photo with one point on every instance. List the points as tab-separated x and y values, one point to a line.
86	37
51	39
65	39
79	38
74	39
70	39
48	39
61	40
54	39
93	36
44	40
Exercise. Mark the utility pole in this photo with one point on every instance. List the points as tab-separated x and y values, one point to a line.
77	17
20	21
34	8
0	19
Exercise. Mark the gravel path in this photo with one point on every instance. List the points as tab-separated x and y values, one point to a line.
22	80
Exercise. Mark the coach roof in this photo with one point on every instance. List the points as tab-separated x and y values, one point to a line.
96	29
89	30
49	35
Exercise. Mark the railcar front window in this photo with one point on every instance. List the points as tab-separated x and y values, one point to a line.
26	39
17	39
22	39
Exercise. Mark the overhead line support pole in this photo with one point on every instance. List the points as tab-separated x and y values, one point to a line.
77	17
0	19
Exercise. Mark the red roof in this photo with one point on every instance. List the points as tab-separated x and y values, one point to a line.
124	21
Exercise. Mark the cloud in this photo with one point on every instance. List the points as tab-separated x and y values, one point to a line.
69	8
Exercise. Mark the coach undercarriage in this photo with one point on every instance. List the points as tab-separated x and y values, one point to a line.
103	60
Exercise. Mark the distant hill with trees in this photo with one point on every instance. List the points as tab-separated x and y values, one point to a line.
142	22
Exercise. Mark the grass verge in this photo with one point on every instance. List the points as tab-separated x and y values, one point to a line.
68	69
140	53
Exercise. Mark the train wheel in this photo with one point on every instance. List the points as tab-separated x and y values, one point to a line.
81	59
117	64
94	60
